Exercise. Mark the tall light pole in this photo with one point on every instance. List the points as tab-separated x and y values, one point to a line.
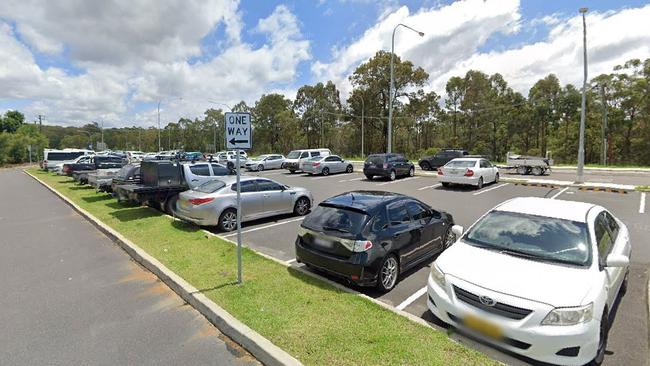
363	109
581	147
214	138
392	85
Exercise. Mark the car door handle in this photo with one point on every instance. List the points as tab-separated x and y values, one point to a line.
195	180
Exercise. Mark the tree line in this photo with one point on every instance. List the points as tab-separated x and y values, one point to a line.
478	112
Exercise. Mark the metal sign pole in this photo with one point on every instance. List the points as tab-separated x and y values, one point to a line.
239	277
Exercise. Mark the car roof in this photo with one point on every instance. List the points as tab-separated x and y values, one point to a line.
467	159
367	201
547	207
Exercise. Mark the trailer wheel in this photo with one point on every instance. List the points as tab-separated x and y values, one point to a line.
522	170
536	170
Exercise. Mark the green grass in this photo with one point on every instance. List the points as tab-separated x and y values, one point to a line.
613	166
643	188
312	320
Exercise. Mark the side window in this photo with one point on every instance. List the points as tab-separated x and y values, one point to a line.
613	225
200	169
380	221
219	169
267	185
331	158
246	186
304	155
484	164
398	214
416	211
315	153
603	237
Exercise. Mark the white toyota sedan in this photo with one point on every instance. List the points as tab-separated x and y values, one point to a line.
468	171
535	276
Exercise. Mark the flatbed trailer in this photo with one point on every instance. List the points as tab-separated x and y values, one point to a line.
525	165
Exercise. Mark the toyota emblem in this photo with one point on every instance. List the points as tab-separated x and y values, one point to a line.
487	301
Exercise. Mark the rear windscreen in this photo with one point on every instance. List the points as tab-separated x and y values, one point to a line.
60	156
326	218
461	164
210	186
375	159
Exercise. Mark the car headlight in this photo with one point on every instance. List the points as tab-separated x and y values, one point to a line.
438	276
569	316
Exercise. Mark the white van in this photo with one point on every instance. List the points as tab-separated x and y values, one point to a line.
53	158
296	157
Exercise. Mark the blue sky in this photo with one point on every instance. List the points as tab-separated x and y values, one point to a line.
114	61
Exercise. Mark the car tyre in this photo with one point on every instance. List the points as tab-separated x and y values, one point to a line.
291	171
260	168
425	166
170	204
445	184
412	172
522	170
369	177
349	169
326	171
393	175
228	220
496	178
302	206
537	171
602	340
479	185
623	289
388	273
450	238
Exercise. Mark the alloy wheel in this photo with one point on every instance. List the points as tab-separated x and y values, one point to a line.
393	176
450	238
389	273
260	167
229	221
349	169
411	172
326	171
302	206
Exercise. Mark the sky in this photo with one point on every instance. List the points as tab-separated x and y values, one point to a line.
116	61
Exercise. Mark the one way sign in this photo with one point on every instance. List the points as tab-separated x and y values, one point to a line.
238	131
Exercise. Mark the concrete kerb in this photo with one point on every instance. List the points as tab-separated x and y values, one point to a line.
260	347
592	186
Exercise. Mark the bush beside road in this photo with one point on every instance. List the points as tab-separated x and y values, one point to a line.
310	319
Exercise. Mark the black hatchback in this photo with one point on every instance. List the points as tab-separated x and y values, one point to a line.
371	237
388	166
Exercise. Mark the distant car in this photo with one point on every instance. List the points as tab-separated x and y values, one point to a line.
229	159
441	158
293	161
371	238
468	171
214	203
326	164
388	166
536	276
265	162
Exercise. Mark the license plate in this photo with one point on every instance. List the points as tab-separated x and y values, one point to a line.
323	243
484	327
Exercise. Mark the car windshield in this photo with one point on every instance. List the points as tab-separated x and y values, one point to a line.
210	186
328	218
533	237
461	164
293	155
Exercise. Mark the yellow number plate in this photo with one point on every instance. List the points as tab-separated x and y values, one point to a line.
484	327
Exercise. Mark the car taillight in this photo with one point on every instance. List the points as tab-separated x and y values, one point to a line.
440	172
385	165
357	246
200	201
469	173
316	164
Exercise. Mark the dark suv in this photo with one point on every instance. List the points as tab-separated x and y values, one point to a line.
371	237
440	159
388	166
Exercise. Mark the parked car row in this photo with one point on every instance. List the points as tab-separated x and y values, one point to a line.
535	276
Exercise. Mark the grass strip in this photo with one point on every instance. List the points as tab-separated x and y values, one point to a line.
642	188
310	319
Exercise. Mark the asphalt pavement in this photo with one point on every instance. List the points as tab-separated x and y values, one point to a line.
70	296
628	342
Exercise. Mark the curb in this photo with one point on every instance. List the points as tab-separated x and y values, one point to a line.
260	347
596	187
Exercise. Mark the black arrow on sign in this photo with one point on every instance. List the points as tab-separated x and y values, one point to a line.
233	141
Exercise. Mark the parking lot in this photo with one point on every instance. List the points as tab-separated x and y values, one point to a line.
628	342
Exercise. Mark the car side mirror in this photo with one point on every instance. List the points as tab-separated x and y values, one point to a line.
457	230
617	260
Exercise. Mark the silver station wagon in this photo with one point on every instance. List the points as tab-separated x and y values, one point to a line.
326	164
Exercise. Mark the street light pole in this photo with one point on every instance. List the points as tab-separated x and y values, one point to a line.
363	109
392	85
604	126
214	138
581	147
159	144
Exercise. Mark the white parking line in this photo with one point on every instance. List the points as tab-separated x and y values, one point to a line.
412	298
642	203
490	189
324	176
350	180
559	193
264	227
398	181
427	187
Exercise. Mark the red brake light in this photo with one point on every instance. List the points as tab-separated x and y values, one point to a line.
200	201
440	171
469	173
316	164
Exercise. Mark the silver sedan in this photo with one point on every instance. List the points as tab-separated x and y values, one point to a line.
327	164
215	202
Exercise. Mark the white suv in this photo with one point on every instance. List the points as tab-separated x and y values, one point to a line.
537	277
